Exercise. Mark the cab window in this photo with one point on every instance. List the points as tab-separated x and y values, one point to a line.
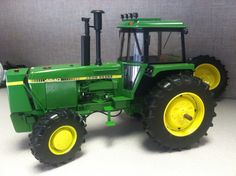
165	47
131	47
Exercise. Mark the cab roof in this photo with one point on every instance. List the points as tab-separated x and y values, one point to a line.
140	23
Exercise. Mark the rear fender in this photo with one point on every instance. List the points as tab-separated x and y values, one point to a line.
154	70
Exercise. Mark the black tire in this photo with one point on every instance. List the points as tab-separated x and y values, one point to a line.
137	116
44	128
221	68
158	100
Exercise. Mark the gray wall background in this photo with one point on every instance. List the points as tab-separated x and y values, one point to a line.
42	32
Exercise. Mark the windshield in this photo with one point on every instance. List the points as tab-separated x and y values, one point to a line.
131	46
152	46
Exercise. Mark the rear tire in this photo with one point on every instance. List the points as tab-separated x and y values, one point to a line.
209	69
57	137
169	102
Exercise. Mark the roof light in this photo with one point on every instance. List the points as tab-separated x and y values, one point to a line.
131	15
135	15
122	17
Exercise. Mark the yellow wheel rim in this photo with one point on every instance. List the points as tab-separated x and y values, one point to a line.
62	140
209	74
184	114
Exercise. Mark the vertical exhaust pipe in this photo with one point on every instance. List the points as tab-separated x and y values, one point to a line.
98	27
85	44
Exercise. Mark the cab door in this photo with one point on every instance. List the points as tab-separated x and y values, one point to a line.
132	49
133	73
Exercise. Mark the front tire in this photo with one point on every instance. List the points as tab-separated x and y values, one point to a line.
178	111
57	137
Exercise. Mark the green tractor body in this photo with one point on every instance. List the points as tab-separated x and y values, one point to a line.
150	77
87	89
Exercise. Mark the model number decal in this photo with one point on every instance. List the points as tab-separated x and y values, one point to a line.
75	79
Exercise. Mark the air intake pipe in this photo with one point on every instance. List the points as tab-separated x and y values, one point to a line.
85	44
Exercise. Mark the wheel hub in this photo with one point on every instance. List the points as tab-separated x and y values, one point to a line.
184	114
62	140
209	74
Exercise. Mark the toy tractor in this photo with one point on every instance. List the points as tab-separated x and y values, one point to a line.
151	77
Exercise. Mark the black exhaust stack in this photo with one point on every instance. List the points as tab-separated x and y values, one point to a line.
98	27
85	39
85	44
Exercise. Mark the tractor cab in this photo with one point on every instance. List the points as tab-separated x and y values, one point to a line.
151	40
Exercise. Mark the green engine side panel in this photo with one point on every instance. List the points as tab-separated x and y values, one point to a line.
39	95
18	98
17	94
61	94
59	86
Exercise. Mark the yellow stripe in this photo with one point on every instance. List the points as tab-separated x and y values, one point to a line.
77	79
16	83
31	81
116	76
81	78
